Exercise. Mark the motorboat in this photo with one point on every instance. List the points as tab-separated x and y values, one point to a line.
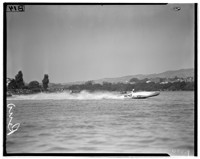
142	94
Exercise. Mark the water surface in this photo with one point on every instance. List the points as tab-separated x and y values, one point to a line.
159	124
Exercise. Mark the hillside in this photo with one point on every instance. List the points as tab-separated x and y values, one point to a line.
168	74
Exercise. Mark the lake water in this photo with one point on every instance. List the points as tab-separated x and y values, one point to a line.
103	122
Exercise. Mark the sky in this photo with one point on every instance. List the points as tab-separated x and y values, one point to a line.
87	42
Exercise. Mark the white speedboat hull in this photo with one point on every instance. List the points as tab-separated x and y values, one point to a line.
141	95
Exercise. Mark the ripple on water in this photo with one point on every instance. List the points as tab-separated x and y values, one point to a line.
44	134
58	149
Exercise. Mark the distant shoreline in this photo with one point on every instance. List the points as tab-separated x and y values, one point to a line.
25	92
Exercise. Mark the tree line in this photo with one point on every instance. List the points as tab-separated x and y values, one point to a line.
18	83
140	86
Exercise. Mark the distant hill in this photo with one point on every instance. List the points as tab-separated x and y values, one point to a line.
183	73
168	74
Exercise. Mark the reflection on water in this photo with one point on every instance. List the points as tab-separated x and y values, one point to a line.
160	124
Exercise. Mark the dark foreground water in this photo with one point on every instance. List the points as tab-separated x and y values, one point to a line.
159	124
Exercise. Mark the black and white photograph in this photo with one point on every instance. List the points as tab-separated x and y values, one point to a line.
97	78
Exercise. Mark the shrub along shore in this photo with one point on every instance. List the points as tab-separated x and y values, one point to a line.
17	85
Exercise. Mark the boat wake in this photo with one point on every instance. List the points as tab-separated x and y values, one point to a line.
83	95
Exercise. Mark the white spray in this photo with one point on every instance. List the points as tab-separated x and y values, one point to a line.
83	95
